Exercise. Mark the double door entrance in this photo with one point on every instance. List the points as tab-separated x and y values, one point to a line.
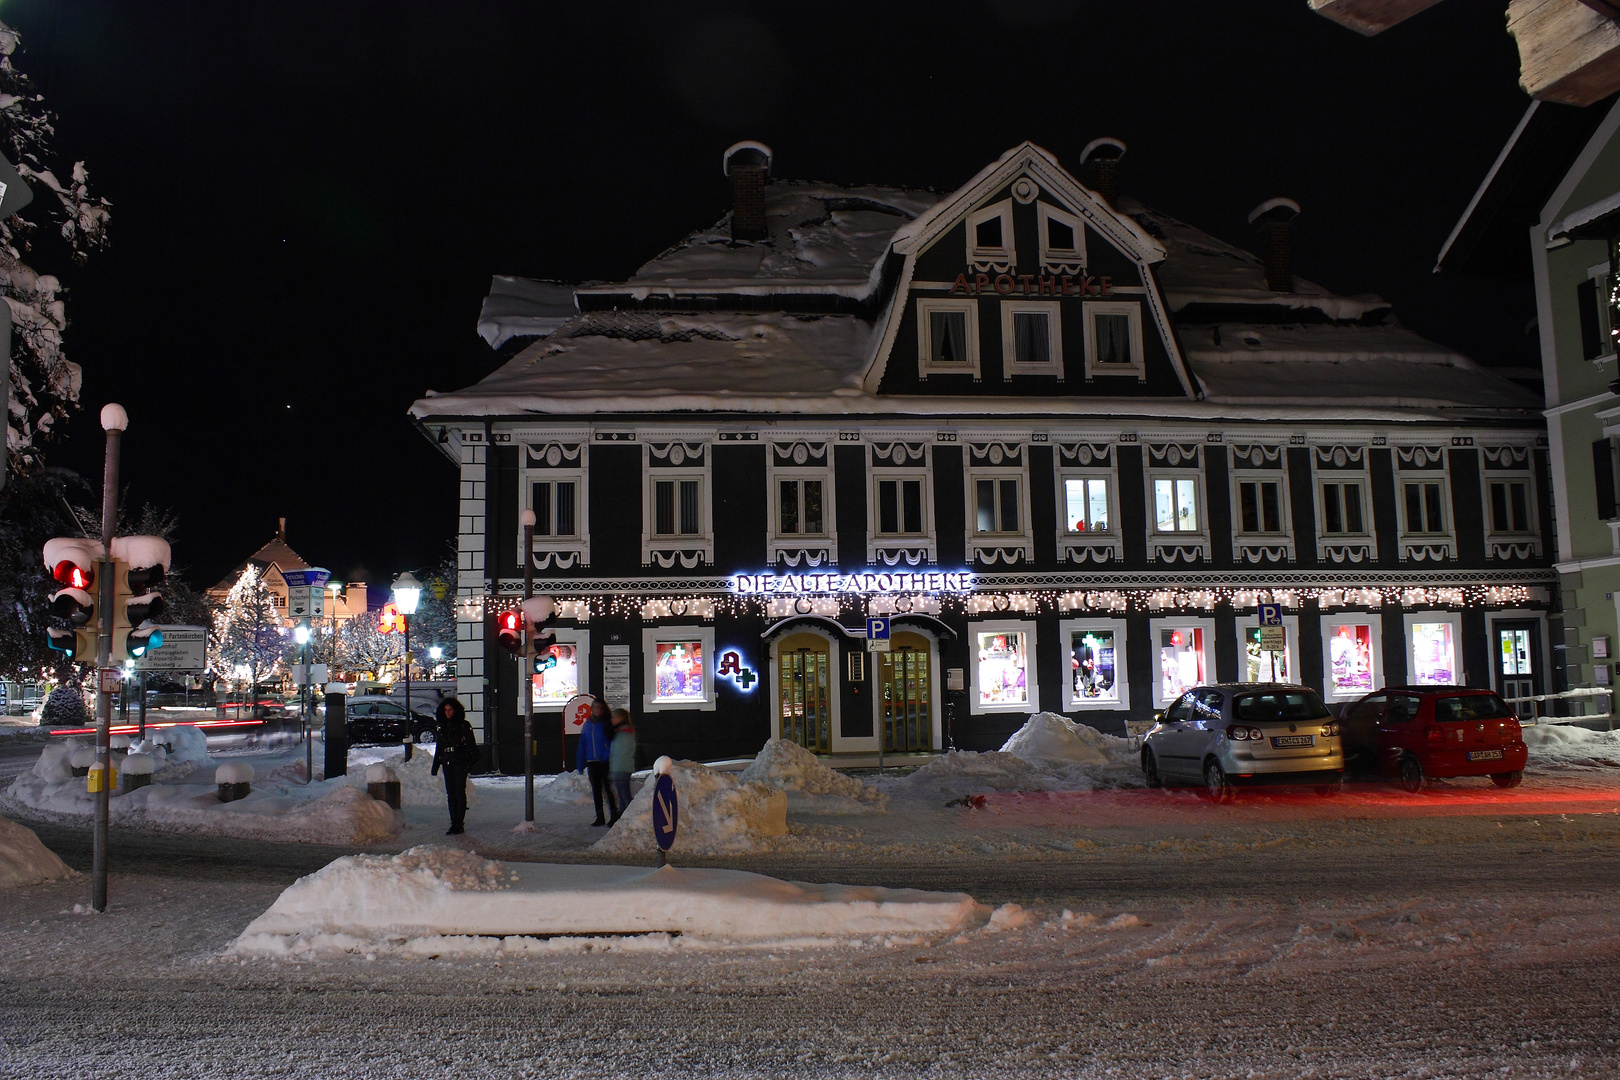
805	683
905	694
1517	658
902	685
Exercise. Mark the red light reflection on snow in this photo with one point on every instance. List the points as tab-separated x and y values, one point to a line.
131	729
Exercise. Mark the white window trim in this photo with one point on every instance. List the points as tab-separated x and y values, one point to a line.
927	539
1367	539
669	551
1600	272
1080	546
580	542
1031	689
1411	618
1053	310
1067	628
1247	546
1002	258
791	545
1242	624
1155	628
835	687
1058	260
925	336
981	544
1354	618
1092	308
650	637
1500	545
1421	546
1159	543
581	639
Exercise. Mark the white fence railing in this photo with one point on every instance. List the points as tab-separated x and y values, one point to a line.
1578	694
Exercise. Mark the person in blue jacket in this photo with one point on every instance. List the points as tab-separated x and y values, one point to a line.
595	750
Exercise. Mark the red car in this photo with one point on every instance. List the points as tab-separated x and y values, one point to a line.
1418	732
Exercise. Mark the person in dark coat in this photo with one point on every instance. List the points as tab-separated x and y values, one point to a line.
595	750
456	752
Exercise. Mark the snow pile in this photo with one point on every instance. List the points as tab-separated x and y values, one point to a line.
188	751
323	813
717	814
139	765
417	784
811	786
1562	745
378	773
80	757
24	860
569	788
430	900
234	772
1049	753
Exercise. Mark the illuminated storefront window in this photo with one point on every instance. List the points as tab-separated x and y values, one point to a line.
1351	660
1093	666
1259	665
1181	660
1434	653
558	679
1003	668
678	674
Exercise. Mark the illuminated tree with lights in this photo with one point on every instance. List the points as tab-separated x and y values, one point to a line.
248	629
359	646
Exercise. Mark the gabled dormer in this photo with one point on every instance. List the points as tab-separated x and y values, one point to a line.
1026	283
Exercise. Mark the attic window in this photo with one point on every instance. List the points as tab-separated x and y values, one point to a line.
990	238
1062	235
1113	332
947	337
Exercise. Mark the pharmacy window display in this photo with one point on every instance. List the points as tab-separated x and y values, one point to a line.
1256	665
1350	656
1003	669
1182	663
677	668
558	677
1435	643
1094	656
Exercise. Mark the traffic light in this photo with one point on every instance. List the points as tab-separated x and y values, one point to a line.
389	620
140	563
509	625
72	562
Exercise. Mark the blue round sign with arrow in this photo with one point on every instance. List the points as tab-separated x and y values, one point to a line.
666	812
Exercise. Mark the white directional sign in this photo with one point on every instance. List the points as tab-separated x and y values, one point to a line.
1273	638
184	648
306	602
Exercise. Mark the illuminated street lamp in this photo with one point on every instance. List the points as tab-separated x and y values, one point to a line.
407	594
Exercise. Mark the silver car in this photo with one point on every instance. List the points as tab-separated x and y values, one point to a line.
1244	733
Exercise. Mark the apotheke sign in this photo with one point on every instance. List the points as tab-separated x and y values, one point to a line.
860	584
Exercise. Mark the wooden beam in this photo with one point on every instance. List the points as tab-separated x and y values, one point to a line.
1568	52
1369	17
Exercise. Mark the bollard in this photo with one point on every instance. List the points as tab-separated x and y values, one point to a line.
138	769
235	780
382	784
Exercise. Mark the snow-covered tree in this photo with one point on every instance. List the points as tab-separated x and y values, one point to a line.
44	383
361	648
33	509
435	620
248	629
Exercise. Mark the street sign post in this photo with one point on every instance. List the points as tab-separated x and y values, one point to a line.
1273	639
1271	615
185	649
877	634
666	812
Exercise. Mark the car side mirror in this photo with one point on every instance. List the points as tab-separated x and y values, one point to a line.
1158	717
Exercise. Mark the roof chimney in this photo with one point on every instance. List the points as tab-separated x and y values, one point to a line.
281	530
1100	160
1275	218
748	163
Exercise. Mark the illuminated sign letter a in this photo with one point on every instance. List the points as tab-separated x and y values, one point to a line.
730	664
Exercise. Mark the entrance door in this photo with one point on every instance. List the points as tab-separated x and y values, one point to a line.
1518	661
803	675
907	700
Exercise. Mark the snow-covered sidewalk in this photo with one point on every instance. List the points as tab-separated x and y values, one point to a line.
434	900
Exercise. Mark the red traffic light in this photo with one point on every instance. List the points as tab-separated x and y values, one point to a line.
74	576
510	627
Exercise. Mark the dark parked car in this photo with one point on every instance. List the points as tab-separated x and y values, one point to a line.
1417	732
375	719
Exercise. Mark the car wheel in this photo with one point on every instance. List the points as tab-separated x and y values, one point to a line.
1150	770
1412	778
1507	779
1216	785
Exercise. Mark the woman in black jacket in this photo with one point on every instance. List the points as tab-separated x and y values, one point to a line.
456	753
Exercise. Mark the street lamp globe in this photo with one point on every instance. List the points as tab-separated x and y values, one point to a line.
301	635
435	652
407	592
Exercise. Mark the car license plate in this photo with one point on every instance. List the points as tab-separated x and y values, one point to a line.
1293	740
1484	755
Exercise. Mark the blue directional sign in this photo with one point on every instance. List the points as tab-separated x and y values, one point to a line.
1271	615
877	629
666	812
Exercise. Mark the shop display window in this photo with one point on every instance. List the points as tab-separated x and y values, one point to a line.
1434	653
1351	662
1094	669
558	678
678	674
1181	660
1262	666
1003	668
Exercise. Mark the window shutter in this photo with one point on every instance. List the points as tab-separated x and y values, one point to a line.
1603	474
1592	343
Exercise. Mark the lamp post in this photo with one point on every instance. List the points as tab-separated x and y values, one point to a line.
407	592
301	638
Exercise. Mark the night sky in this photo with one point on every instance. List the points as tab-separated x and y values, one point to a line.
309	198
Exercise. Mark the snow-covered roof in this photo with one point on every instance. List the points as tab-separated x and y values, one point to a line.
523	307
824	239
1200	269
1319	363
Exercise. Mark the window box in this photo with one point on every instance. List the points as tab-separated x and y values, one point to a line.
1095	670
1003	667
678	668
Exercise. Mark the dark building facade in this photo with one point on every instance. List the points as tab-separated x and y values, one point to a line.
1060	444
